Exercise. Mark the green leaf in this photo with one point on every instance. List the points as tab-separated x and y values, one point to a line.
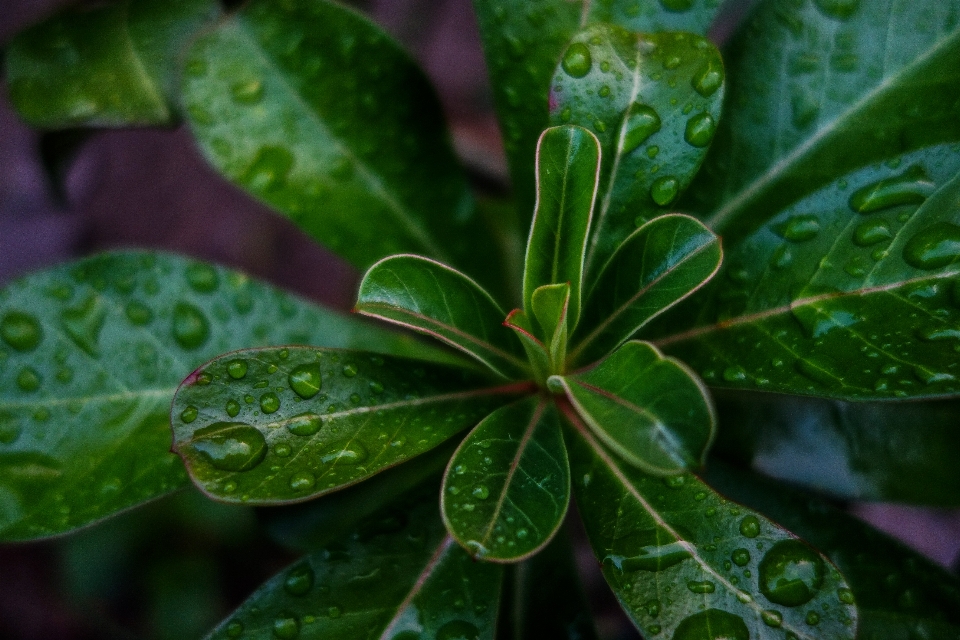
730	572
524	41
900	594
107	66
507	487
91	354
653	100
652	411
411	582
551	305
894	452
277	425
426	296
817	92
313	109
660	264
568	166
537	352
850	293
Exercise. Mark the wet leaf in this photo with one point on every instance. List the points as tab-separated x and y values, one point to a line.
429	297
113	65
91	354
850	293
277	425
652	411
507	487
686	563
653	101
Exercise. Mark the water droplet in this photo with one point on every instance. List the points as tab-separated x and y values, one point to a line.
642	122
376	388
237	369
651	557
709	79
138	313
306	380
735	374
839	9
577	60
871	232
191	329
712	624
84	322
349	370
302	481
604	91
249	92
798	228
233	408
676	6
812	619
481	492
750	527
269	170
28	380
286	626
20	330
700	130
300	580
269	402
305	424
704	586
203	278
845	596
340	455
665	190
230	446
189	414
934	247
234	630
911	187
772	618
458	630
791	573
9	429
282	450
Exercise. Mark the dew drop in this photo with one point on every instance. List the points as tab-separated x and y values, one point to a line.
305	380
202	278
791	573
839	9
642	122
577	60
871	232
286	626
84	322
233	408
20	330
28	380
282	450
772	618
712	624
704	586
237	369
845	596
305	424
354	455
299	581
269	402
138	313
911	187
230	446
750	527
269	170
676	6
191	329
709	79
458	630
481	492
665	190
349	370
700	129
234	630
189	414
934	247
798	228
302	481
740	557
812	619
250	92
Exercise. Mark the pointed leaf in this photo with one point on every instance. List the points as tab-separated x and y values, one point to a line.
114	65
568	165
652	411
819	89
660	264
507	487
91	354
537	352
523	43
894	452
370	585
900	594
849	294
426	296
551	305
730	572
653	101
286	101
269	426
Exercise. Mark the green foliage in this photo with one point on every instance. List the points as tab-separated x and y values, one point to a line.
833	174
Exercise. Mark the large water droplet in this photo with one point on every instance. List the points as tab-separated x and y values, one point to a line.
665	190
839	9
305	424
871	232
355	454
750	527
286	626
300	580
934	247
911	187
709	79
302	481
458	630
700	130
269	402
791	573
798	228
481	492
651	557
642	122
305	380
577	60
712	624
20	330
230	446
84	322
740	557
237	369
190	327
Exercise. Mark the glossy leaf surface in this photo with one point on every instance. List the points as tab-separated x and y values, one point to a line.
653	101
269	426
893	452
568	165
819	89
410	582
314	110
900	594
507	487
429	297
661	263
652	411
91	354
551	307
538	353
851	293
523	42
107	66
686	563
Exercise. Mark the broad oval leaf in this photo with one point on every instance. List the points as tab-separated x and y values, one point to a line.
568	167
731	573
900	595
660	264
879	451
507	487
851	293
653	101
819	89
523	42
408	582
107	66
276	425
316	111
91	354
652	411
429	297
